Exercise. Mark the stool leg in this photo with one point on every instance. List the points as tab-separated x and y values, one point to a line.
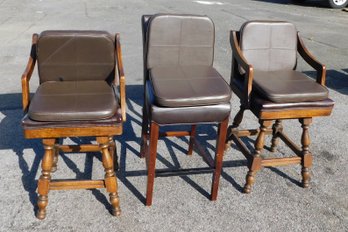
256	160
110	177
220	144
192	139
306	155
113	153
45	178
55	157
277	127
236	122
151	162
144	132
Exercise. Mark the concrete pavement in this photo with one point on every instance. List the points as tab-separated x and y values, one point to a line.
277	203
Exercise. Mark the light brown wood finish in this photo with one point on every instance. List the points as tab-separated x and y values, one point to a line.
27	74
73	132
45	178
122	78
51	136
266	116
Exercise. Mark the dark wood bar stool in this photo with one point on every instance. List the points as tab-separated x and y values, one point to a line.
80	74
264	78
181	87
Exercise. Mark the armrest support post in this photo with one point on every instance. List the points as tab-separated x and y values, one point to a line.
122	79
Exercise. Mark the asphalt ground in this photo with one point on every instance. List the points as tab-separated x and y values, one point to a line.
277	202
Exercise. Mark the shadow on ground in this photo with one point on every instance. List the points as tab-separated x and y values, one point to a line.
12	138
335	79
308	3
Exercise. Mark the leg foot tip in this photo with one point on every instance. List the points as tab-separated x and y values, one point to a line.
40	216
247	189
305	185
116	212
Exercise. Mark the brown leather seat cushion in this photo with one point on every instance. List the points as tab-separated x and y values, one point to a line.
181	86
73	100
288	86
186	115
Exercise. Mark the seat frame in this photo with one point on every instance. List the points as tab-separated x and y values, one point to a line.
151	133
266	119
52	135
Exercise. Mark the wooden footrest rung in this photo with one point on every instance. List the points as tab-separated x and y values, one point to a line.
174	133
250	132
79	148
76	184
271	162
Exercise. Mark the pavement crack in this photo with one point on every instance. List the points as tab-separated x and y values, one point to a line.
230	13
319	42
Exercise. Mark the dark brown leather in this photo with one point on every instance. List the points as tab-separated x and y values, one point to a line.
269	45
180	40
179	86
28	123
260	103
183	88
288	86
186	115
76	55
73	100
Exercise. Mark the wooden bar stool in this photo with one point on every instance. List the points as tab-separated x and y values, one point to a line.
181	87
264	78
76	98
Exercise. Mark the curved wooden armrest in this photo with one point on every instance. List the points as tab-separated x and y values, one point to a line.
309	58
121	76
27	74
249	71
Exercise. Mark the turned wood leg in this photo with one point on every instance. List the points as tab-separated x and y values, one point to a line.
220	144
110	177
113	153
255	164
144	133
236	122
192	139
55	157
277	127
306	155
151	162
44	180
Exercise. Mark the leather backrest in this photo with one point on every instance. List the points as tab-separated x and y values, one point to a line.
269	45
76	56
179	40
144	25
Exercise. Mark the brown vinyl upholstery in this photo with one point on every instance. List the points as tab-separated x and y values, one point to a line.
180	40
73	101
186	115
178	86
81	94
181	85
264	78
75	55
269	46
